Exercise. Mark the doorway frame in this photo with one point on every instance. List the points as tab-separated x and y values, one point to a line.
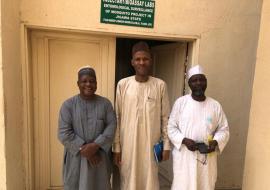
26	66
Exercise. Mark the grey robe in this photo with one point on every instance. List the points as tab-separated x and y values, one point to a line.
84	121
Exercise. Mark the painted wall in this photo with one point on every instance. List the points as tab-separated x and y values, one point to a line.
12	93
256	175
228	53
228	32
2	119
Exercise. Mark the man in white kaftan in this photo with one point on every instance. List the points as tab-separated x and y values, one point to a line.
196	118
142	110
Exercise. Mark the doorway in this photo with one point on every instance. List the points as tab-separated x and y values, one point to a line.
169	64
54	58
54	61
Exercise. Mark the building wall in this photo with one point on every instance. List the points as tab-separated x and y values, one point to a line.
12	93
228	33
256	175
2	119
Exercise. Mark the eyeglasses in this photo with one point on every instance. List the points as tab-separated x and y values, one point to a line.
204	161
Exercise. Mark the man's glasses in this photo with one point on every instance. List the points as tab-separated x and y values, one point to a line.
204	161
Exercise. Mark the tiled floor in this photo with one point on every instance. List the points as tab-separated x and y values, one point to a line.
166	185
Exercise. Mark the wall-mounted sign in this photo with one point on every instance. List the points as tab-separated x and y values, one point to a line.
128	12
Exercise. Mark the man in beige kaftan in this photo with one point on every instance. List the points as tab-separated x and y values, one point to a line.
142	109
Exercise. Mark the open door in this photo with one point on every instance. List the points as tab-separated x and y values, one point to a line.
169	65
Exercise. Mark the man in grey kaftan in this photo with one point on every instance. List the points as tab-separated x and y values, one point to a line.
83	121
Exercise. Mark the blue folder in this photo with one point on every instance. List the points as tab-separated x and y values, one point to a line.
158	149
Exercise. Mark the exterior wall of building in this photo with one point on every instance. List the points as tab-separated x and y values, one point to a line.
257	162
227	33
12	94
2	118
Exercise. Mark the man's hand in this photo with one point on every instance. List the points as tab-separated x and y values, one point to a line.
190	144
94	160
165	155
117	158
88	150
212	146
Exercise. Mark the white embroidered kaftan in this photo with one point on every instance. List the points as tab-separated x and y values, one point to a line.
197	121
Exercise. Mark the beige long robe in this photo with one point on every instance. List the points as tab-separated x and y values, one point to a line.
142	110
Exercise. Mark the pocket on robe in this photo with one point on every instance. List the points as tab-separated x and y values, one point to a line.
151	104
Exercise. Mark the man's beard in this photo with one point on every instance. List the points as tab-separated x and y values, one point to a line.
198	92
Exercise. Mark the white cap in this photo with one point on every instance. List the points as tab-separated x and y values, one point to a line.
197	69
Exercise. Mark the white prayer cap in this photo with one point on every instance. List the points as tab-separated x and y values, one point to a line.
197	69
